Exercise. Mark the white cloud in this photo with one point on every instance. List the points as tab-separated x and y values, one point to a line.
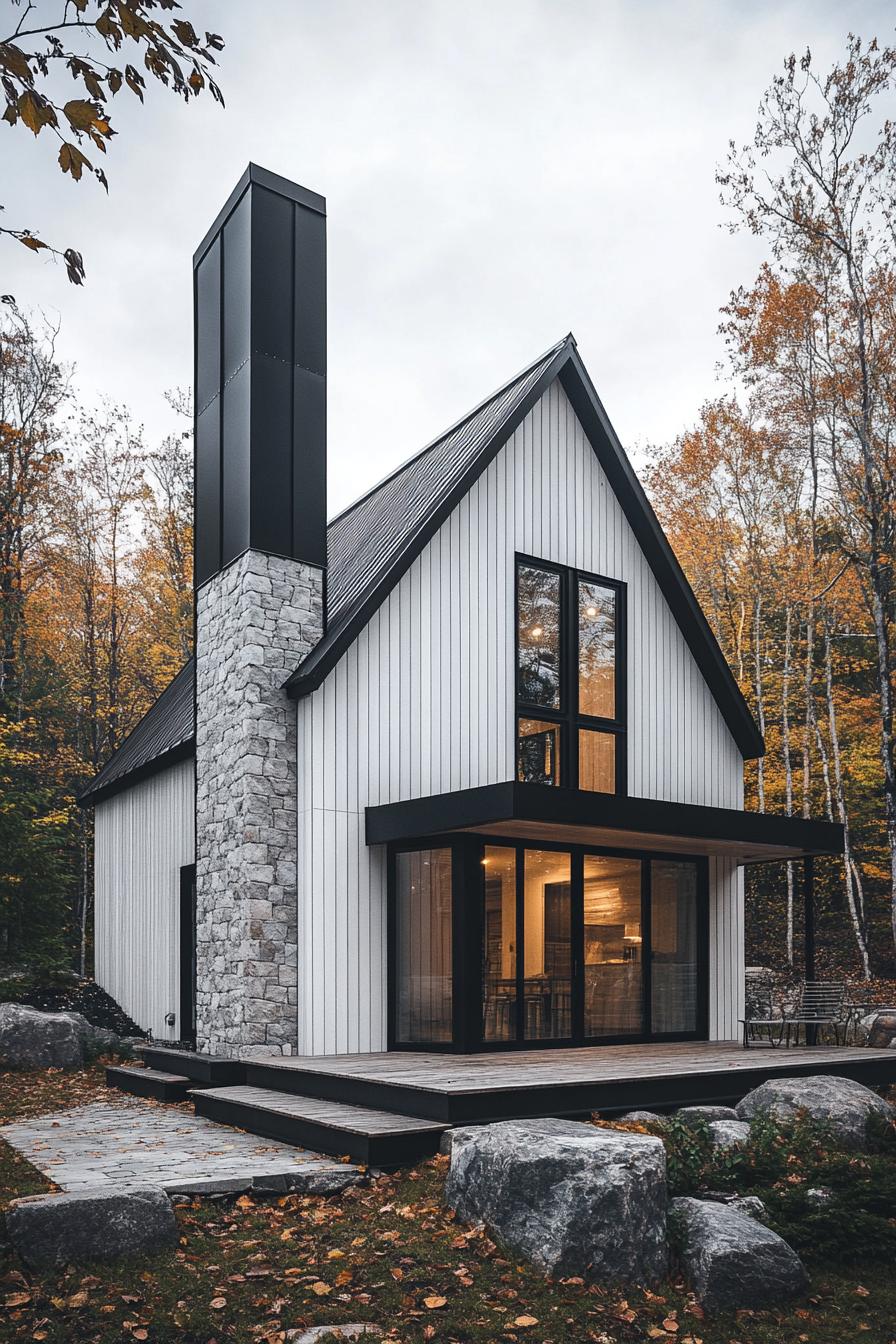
496	174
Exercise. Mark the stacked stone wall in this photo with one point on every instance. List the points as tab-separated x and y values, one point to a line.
256	620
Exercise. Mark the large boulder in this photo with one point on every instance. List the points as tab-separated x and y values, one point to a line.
845	1106
103	1224
33	1040
571	1198
733	1261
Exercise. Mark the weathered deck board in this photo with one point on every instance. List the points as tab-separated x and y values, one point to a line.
551	1068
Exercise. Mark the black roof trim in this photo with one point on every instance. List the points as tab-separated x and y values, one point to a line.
567	365
163	736
491	805
662	559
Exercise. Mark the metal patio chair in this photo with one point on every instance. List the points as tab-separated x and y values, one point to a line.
759	1013
821	1003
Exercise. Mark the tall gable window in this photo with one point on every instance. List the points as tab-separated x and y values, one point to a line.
570	678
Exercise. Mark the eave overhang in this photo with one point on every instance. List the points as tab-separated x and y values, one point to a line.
541	813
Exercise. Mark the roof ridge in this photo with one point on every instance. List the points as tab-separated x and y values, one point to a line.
434	443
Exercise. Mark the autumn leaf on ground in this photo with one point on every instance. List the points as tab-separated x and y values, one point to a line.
525	1322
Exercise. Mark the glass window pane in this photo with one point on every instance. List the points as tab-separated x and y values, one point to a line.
597	761
499	999
538	636
423	960
613	961
538	752
673	937
597	650
547	951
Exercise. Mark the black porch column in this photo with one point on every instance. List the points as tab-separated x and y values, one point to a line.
809	917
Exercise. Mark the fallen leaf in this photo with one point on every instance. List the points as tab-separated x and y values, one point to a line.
17	1300
320	1288
77	1300
670	1324
524	1322
217	1303
862	1292
433	1302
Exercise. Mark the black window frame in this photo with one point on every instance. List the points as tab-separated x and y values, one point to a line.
567	716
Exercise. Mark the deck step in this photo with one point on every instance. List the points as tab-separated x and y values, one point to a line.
149	1083
375	1138
197	1067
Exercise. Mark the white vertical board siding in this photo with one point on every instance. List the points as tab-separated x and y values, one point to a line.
422	702
144	836
726	949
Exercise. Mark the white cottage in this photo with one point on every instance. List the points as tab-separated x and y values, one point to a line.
460	771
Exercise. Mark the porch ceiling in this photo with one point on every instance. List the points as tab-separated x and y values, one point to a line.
573	816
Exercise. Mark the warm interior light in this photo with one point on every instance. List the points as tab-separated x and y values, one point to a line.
537	632
591	611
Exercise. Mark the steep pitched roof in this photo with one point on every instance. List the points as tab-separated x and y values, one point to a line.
163	735
372	543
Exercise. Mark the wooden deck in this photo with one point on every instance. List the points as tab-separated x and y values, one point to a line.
454	1089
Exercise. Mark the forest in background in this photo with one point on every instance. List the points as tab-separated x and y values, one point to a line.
780	502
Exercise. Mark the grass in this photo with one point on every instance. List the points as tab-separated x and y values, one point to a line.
251	1269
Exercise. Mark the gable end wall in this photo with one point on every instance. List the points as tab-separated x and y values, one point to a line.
422	703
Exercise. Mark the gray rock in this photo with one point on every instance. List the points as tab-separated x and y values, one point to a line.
571	1198
641	1118
729	1133
844	1105
33	1040
102	1224
733	1261
819	1195
688	1113
881	1028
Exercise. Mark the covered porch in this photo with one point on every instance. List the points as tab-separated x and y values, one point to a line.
527	915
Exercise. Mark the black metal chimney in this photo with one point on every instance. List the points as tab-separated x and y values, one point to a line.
260	326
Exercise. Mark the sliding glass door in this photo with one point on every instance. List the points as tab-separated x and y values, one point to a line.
497	944
580	947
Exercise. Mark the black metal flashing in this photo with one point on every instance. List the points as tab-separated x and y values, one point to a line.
260	364
511	807
163	736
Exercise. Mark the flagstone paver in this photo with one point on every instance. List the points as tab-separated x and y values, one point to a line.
135	1142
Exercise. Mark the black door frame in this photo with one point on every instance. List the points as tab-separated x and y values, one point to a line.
467	928
186	1025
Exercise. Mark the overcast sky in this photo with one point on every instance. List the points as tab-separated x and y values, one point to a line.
497	173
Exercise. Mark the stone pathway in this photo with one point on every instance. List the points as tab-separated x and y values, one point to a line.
133	1142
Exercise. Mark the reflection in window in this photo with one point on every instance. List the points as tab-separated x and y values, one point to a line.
597	650
538	752
499	996
673	937
538	636
613	961
597	761
547	946
423	962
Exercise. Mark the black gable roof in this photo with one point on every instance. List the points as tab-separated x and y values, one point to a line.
372	543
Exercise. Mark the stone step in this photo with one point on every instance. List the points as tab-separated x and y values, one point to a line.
200	1068
374	1138
149	1083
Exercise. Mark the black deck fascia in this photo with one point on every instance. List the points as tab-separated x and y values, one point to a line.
154	1083
528	1101
199	1068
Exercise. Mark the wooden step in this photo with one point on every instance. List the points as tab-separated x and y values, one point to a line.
198	1067
374	1138
149	1083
